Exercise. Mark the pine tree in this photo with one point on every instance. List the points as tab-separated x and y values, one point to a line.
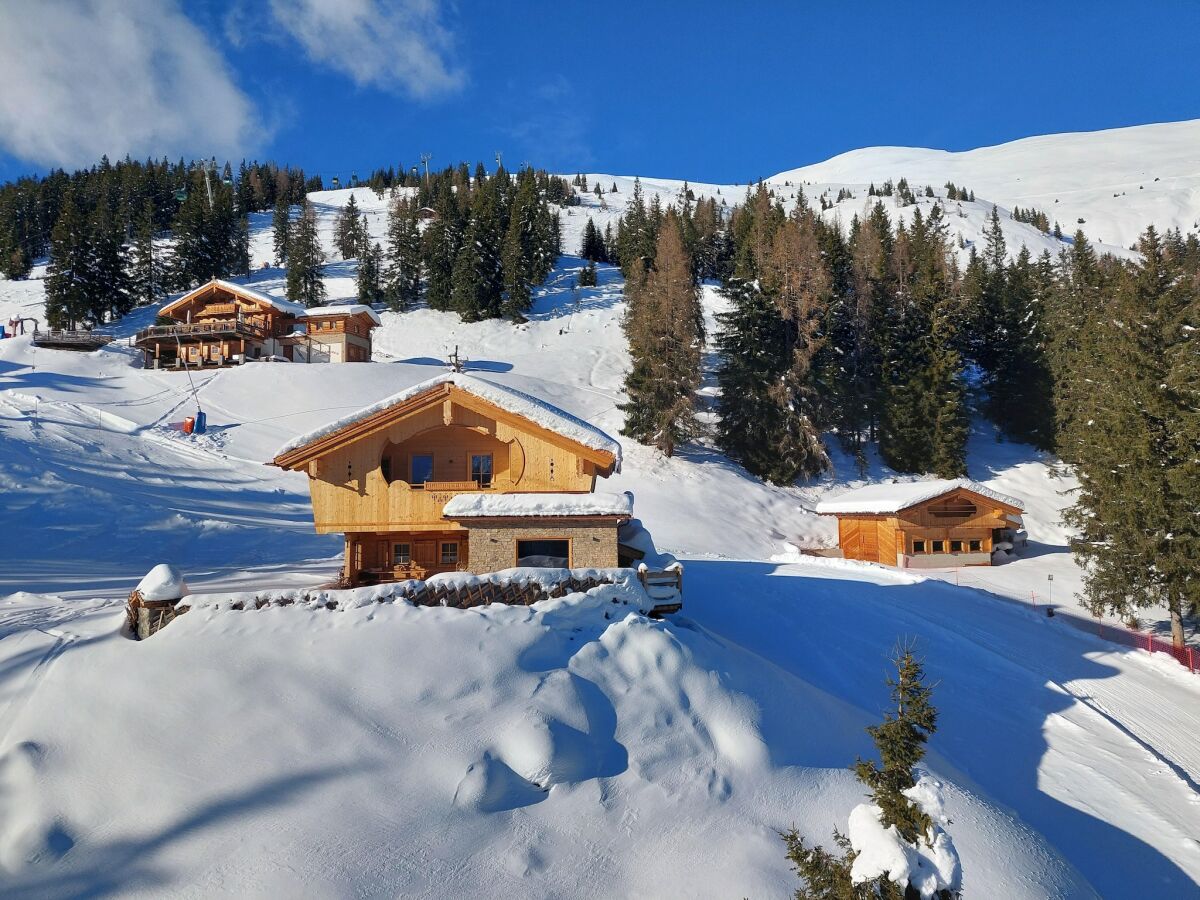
587	275
145	273
666	344
67	301
281	225
350	233
106	282
304	282
441	244
402	278
369	277
900	742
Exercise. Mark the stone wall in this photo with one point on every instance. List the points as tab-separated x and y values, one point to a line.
494	547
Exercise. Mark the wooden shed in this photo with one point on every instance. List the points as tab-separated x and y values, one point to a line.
924	524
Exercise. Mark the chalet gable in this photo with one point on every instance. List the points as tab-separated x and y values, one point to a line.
220	298
493	401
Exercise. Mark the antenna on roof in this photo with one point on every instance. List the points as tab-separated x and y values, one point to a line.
457	363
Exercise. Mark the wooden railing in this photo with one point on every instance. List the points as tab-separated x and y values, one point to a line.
445	486
201	329
62	337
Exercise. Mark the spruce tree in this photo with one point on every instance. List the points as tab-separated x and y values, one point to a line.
67	301
369	276
304	282
402	278
145	272
350	232
900	742
281	224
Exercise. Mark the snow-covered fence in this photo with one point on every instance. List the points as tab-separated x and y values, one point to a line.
514	587
1185	656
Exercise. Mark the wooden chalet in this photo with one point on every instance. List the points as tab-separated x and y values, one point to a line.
221	324
924	524
461	474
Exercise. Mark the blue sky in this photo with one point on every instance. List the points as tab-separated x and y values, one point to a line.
702	90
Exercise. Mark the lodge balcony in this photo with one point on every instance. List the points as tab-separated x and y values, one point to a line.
199	331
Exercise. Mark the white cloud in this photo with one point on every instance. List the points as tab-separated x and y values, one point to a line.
80	78
391	44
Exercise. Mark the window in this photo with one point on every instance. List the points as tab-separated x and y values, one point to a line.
449	553
401	554
422	469
956	546
975	546
939	546
481	469
544	554
918	546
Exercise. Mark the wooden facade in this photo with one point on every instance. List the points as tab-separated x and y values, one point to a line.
960	527
221	324
384	480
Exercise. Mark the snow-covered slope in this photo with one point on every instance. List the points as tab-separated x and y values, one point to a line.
1117	181
573	749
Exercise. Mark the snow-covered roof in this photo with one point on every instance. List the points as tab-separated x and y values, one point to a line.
466	506
509	399
343	309
286	306
894	496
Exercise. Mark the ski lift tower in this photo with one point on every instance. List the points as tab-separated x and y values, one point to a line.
425	157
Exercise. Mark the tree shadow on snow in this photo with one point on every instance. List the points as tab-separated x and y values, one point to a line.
122	864
1001	672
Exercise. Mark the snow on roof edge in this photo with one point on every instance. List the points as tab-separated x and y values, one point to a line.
510	399
893	497
343	309
535	505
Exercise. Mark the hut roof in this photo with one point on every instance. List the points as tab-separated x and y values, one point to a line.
894	496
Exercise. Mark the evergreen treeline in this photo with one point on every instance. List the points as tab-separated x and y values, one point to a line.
99	225
488	241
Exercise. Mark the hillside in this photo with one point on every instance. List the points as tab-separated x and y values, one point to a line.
573	749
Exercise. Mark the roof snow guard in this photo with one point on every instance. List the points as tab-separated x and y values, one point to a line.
538	506
537	413
893	497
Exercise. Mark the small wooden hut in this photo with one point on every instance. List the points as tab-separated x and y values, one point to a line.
924	524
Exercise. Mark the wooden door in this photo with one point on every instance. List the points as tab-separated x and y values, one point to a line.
425	554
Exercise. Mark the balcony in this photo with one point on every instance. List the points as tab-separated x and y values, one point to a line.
199	331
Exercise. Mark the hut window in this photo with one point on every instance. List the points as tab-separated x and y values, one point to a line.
481	469
918	546
544	554
422	469
449	553
975	545
939	546
401	554
956	546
